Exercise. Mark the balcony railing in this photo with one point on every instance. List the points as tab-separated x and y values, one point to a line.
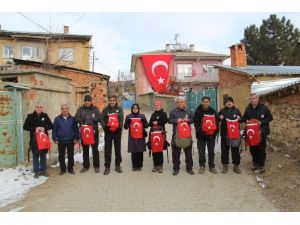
202	77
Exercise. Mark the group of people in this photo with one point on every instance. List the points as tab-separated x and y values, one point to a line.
83	127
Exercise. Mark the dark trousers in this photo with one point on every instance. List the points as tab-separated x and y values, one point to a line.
61	156
39	162
202	142
108	140
259	153
137	159
176	157
158	158
86	154
235	152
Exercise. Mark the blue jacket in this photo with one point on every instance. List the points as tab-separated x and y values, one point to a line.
65	130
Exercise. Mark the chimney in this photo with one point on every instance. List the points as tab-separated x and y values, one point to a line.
168	49
177	39
238	55
192	47
66	29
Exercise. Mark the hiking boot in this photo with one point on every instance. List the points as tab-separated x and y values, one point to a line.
201	169
119	169
155	169
36	175
62	172
255	167
236	169
225	168
160	169
213	170
45	174
71	172
175	172
83	170
191	172
106	171
259	170
97	170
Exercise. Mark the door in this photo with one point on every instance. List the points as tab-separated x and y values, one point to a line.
194	98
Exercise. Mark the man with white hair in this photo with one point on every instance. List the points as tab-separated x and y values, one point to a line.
181	115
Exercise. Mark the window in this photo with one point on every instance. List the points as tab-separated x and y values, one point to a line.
184	70
65	54
8	51
30	52
208	69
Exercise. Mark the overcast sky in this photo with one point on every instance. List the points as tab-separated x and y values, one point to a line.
117	35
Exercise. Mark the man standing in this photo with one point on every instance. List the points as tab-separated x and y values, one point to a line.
260	113
206	126
181	116
88	114
112	122
65	134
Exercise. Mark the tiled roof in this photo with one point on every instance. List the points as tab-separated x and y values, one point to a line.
263	70
271	86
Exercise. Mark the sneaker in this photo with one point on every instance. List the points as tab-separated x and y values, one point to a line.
160	169
119	169
213	170
62	172
36	175
191	172
83	170
106	171
236	169
155	169
97	170
71	172
175	172
225	168
201	169
259	170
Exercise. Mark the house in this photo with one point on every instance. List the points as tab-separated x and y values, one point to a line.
283	99
64	49
189	71
236	79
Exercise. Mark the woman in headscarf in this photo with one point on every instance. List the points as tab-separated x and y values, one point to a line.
136	123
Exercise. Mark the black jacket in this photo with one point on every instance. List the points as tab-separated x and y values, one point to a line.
199	114
33	121
160	116
261	113
230	114
88	115
104	117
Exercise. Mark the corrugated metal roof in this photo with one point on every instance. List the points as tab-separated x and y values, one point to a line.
263	70
267	87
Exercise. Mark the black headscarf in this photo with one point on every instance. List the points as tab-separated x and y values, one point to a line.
137	105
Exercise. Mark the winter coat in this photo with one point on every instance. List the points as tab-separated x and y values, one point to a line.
104	117
176	114
88	116
136	145
161	118
33	121
65	130
261	113
230	114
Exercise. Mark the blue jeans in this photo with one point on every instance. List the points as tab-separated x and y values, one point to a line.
39	162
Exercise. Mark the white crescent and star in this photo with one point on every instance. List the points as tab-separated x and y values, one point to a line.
250	130
159	63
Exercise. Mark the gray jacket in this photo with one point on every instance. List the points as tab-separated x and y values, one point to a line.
176	114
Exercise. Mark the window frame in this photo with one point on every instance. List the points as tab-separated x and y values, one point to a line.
182	76
4	52
34	52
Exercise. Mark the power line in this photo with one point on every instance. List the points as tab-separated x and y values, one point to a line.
32	21
79	18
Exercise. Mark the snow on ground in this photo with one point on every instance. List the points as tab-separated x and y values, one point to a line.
16	182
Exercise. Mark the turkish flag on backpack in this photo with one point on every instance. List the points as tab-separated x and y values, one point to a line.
87	134
209	124
113	122
184	129
157	141
136	128
233	129
43	141
253	134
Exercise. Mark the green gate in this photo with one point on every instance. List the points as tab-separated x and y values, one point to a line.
194	98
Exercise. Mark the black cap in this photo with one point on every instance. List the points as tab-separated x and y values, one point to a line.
229	99
87	98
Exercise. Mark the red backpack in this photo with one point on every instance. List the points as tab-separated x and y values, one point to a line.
184	129
233	129
136	128
87	134
209	124
252	134
43	141
157	140
113	122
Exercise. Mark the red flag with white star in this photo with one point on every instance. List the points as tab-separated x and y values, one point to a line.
157	69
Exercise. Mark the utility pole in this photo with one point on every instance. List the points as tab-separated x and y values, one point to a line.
93	65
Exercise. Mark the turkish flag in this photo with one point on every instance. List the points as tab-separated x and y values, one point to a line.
43	141
252	134
233	129
136	128
209	124
113	122
157	70
184	129
87	134
157	141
